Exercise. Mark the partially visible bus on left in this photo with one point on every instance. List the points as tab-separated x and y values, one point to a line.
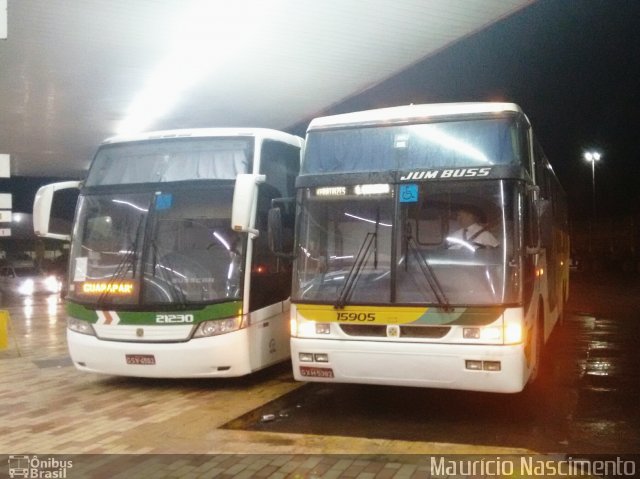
170	274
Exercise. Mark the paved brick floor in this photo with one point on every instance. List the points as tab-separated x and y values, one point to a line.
127	427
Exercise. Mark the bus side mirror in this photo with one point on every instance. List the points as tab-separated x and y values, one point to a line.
245	197
42	209
274	231
276	235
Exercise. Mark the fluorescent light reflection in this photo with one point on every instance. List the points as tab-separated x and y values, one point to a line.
171	270
206	36
52	308
122	202
460	242
27	308
222	240
365	219
434	135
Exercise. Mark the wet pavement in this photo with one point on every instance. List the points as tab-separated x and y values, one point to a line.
131	427
586	401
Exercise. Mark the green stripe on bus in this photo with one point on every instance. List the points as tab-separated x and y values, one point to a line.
210	312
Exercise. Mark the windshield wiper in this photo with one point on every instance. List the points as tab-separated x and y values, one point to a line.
427	272
356	269
177	295
130	258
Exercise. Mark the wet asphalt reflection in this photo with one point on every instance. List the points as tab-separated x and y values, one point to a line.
587	399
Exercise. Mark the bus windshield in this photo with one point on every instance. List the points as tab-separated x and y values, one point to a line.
447	244
165	160
173	246
474	143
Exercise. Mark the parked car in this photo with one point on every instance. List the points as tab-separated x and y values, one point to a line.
59	268
27	280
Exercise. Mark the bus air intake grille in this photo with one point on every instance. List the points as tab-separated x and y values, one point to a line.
380	331
429	332
364	330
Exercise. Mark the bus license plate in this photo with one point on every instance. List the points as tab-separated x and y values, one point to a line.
311	372
144	359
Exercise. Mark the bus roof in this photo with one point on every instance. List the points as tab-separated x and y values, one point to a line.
407	113
207	133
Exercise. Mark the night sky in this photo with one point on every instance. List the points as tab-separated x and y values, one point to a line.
574	68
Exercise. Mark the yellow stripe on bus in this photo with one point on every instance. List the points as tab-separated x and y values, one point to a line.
361	314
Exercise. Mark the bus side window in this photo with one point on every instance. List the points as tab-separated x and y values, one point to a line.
530	240
270	275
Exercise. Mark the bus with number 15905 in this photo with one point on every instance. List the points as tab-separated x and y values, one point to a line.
431	249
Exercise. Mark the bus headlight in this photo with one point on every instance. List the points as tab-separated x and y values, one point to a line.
306	328
491	333
471	333
507	331
80	326
218	326
513	333
323	328
487	333
301	327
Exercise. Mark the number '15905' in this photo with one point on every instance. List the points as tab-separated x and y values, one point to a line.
356	317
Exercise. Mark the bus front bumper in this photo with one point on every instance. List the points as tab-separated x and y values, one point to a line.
218	356
447	366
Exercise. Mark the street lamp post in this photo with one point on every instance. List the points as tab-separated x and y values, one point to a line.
592	157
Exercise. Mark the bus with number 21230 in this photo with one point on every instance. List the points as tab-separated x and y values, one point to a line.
431	249
170	273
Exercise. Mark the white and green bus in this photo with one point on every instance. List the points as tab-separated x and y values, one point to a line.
388	287
170	274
